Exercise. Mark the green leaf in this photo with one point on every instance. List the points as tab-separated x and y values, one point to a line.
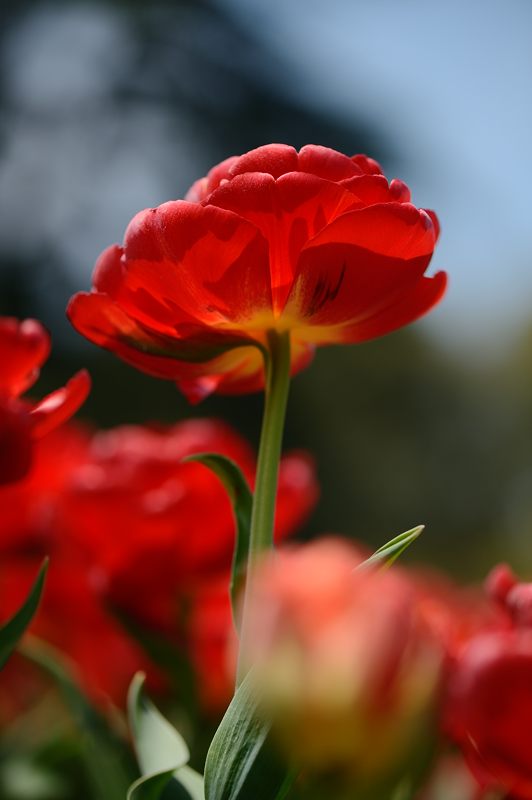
241	498
161	751
389	552
105	756
12	630
241	762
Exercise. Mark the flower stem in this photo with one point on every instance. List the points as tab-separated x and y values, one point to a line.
277	384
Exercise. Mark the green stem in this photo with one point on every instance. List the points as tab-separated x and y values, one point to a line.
277	384
277	367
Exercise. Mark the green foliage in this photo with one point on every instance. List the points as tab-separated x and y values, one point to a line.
162	753
12	630
241	762
241	498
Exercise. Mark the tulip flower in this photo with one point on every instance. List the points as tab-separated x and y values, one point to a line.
489	698
24	347
311	244
489	707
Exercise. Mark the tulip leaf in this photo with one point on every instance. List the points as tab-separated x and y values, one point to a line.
12	630
105	755
241	762
390	552
241	498
161	751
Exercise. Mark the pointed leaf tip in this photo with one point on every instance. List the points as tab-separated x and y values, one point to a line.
386	555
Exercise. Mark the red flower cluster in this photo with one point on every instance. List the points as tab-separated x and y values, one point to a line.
489	703
24	347
128	523
311	242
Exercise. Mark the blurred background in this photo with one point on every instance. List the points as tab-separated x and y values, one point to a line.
110	107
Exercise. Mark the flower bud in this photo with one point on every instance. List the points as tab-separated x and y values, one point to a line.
345	665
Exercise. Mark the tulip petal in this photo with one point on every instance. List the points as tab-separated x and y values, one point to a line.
358	264
414	303
288	212
327	163
57	407
184	262
24	347
273	159
104	322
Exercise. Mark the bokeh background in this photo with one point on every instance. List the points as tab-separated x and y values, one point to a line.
110	107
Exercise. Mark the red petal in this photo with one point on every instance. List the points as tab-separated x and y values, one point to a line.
368	165
357	265
60	405
184	262
108	272
435	222
185	361
394	229
274	159
370	189
399	191
101	320
326	163
24	347
416	301
288	212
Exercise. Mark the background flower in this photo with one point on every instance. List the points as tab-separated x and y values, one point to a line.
345	663
129	526
24	346
489	694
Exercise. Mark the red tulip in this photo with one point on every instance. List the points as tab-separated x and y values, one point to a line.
489	698
489	707
24	346
314	243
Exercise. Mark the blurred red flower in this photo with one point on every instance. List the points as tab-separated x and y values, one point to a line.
24	347
312	242
346	665
489	708
489	698
128	524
